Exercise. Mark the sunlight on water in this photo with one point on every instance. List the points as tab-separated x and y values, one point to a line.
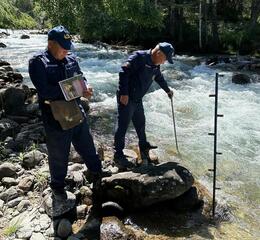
239	130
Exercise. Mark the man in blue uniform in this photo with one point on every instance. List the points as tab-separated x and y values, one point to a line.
135	78
46	69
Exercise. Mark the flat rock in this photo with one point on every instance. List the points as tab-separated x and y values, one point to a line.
145	186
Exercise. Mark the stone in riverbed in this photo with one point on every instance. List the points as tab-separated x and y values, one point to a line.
7	170
145	186
8	128
240	78
25	36
112	228
26	183
32	158
2	45
4	63
8	181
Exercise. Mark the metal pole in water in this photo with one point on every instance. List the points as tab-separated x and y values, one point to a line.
174	127
215	153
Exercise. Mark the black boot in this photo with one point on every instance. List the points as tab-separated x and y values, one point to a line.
146	160
121	161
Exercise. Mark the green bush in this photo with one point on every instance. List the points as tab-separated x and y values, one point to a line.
11	17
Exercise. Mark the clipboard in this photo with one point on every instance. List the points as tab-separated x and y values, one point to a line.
73	87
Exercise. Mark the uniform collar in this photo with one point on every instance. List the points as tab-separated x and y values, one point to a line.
149	58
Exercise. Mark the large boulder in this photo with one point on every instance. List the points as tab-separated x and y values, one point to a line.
29	134
240	78
14	99
145	186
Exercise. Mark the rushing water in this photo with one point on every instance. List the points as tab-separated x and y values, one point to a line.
239	130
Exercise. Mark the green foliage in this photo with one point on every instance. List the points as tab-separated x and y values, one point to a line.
12	17
62	12
41	181
11	229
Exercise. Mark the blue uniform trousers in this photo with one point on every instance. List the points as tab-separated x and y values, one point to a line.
58	144
132	111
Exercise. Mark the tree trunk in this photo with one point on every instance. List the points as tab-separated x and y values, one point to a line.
202	24
255	11
214	24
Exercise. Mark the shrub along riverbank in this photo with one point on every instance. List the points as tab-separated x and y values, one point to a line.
197	26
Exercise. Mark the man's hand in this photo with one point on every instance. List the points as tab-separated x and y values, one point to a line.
88	92
170	94
124	99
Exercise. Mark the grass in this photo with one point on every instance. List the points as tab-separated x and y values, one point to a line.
41	180
11	229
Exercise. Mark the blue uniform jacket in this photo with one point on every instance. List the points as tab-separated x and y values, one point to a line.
45	72
137	75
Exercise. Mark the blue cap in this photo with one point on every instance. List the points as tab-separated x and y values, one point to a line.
168	50
62	36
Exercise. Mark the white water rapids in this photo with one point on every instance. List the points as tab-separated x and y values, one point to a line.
239	131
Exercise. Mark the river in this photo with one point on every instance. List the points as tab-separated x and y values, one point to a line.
238	168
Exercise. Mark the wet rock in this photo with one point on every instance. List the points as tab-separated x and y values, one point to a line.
112	228
9	194
14	76
57	207
4	63
32	158
26	183
65	228
217	59
23	205
37	236
145	186
2	45
8	182
8	128
240	78
25	36
7	68
4	34
7	170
